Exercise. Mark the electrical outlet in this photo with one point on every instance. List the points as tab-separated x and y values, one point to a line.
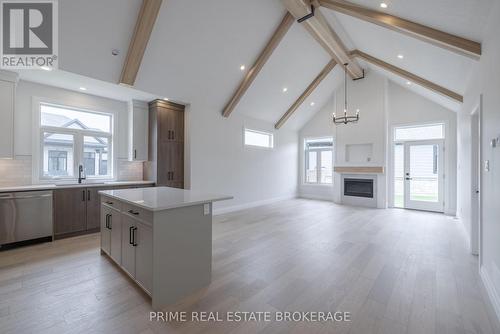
486	165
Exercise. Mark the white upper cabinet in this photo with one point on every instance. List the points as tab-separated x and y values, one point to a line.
138	131
8	82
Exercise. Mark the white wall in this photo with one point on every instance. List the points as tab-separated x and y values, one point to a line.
406	108
220	163
320	125
369	96
486	81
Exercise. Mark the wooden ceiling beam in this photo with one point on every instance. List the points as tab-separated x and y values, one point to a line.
408	76
142	32
314	84
271	45
318	27
445	40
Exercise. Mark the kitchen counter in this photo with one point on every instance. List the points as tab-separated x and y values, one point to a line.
163	198
35	187
161	237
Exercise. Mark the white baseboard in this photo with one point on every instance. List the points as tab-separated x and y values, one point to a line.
491	291
316	196
220	211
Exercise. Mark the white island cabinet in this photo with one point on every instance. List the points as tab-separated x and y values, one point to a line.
161	237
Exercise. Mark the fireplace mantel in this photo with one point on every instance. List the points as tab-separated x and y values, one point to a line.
359	169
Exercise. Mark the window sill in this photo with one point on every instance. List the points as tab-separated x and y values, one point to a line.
318	184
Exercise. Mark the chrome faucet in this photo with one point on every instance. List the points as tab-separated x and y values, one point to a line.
81	174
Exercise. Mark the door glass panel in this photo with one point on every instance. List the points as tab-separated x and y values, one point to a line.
424	183
311	175
399	175
326	166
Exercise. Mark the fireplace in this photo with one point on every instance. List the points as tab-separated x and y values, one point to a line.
358	187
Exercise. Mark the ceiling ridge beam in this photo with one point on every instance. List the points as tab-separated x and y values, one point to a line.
268	50
323	33
142	32
408	76
312	86
440	38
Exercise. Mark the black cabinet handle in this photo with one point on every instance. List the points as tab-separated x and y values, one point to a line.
109	203
107	221
88	195
130	235
135	154
133	236
133	212
110	223
83	197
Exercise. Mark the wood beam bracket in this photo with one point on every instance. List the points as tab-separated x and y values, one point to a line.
308	16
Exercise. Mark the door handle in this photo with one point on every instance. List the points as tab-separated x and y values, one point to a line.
133	236
88	195
130	235
107	221
135	213
110	222
83	197
408	178
135	154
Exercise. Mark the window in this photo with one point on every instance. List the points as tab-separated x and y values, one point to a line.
72	137
258	138
421	132
58	162
319	161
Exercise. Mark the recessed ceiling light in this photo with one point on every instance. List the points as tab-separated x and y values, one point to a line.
285	90
400	56
83	88
408	83
242	67
383	5
312	104
46	68
165	98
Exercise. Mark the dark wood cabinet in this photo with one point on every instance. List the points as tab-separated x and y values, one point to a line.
78	210
93	208
167	143
70	206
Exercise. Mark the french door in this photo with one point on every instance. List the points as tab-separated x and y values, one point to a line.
420	182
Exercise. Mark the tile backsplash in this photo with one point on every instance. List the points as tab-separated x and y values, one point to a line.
17	172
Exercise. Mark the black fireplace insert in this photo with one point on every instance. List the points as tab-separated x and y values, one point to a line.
358	187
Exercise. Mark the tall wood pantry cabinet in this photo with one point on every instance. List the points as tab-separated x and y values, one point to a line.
166	143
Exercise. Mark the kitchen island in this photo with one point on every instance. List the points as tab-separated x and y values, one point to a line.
161	237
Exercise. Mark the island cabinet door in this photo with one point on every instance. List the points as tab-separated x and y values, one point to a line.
144	255
128	249
115	225
105	231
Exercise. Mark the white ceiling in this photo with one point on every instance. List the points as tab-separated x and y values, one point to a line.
197	47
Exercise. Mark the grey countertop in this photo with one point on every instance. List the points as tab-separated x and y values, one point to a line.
163	198
35	187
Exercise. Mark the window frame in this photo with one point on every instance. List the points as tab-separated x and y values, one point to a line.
395	127
78	142
267	133
318	151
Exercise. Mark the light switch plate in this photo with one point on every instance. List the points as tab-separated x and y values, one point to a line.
206	209
486	165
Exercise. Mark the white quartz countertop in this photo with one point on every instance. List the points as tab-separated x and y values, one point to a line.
163	198
35	187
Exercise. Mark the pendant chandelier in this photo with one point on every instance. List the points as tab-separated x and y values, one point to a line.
345	118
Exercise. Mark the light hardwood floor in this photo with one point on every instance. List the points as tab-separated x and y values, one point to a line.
396	271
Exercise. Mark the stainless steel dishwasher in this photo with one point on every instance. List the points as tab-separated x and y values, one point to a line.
25	216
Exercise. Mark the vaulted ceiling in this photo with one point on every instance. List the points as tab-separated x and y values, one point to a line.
197	47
